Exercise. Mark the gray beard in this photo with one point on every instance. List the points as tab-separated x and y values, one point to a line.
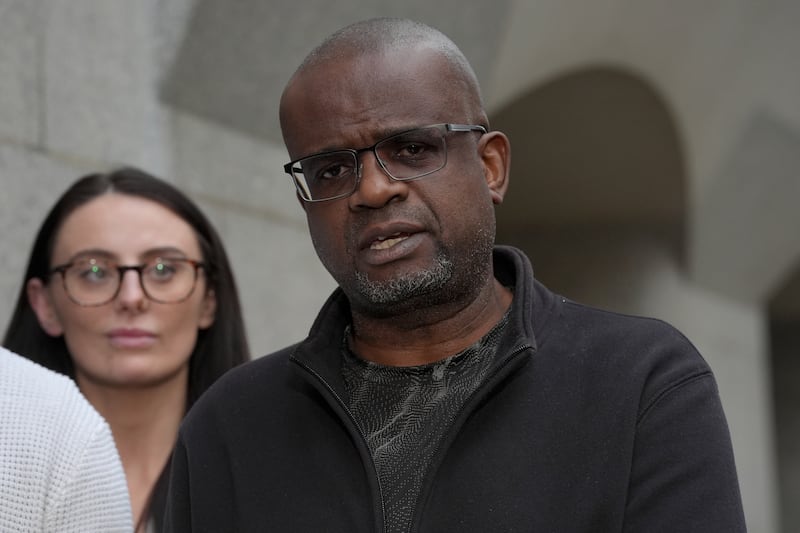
406	287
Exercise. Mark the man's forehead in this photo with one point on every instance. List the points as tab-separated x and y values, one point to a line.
371	80
388	61
366	81
354	101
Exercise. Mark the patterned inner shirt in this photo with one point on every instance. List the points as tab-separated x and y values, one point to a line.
404	412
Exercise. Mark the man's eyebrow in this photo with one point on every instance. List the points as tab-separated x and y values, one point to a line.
381	135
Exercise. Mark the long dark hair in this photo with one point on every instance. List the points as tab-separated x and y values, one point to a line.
219	347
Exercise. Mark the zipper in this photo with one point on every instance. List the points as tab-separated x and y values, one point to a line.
354	423
458	423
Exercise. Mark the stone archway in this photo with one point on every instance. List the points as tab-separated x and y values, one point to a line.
598	186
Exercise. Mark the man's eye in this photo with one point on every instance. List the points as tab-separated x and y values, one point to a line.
333	172
413	149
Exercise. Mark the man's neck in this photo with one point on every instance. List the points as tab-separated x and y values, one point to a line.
428	336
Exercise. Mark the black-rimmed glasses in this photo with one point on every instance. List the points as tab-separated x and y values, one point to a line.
404	156
96	281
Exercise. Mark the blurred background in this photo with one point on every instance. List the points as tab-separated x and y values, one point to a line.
656	161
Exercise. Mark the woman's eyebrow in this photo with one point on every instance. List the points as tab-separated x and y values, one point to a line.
106	254
163	250
92	252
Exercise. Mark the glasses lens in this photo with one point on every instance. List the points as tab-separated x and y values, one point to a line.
91	281
325	176
413	154
169	280
96	281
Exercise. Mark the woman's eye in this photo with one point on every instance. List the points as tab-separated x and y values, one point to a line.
161	270
92	272
95	272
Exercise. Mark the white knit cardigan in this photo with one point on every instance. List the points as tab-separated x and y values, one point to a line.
59	468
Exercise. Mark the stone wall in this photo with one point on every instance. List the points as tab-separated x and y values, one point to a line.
87	85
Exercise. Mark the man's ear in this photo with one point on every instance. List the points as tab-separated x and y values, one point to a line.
495	152
42	304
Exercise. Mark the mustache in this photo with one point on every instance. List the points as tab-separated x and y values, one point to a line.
362	220
385	215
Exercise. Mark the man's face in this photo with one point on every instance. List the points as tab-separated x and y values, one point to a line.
394	246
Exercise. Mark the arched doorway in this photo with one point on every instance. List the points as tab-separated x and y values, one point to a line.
598	185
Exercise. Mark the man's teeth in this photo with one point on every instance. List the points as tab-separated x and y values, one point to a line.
388	242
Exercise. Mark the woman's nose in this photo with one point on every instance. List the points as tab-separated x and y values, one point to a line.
131	293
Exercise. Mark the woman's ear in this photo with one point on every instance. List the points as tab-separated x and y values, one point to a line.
495	152
41	303
208	312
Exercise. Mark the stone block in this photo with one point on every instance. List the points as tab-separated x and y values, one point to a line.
31	184
213	161
100	89
282	283
21	30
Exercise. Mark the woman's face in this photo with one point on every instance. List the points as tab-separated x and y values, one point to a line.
130	341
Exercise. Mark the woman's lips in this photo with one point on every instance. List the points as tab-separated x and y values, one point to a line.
131	338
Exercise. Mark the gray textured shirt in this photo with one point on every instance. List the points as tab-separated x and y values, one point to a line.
404	412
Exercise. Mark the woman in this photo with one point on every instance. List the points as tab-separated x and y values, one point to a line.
129	291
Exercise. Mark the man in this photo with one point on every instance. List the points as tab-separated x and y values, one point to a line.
59	468
443	389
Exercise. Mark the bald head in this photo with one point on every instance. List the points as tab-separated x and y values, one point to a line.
386	34
383	36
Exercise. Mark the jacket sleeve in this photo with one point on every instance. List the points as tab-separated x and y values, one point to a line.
177	514
683	474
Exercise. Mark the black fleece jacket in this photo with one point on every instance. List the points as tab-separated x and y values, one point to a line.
589	422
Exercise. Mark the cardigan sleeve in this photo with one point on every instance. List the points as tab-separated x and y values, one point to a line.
59	466
93	496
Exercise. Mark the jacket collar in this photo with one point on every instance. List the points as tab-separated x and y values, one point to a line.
532	305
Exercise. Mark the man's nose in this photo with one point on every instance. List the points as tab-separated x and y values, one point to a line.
375	188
